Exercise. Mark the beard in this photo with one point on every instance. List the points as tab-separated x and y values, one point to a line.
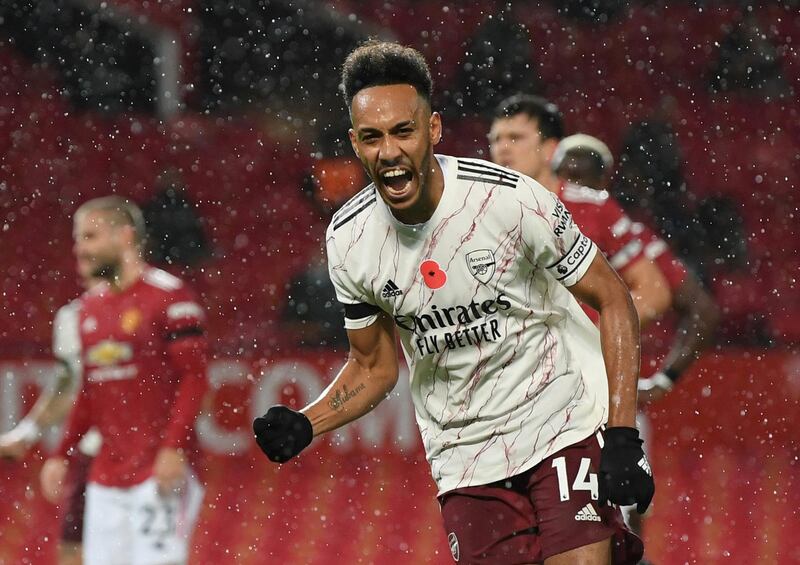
425	173
107	271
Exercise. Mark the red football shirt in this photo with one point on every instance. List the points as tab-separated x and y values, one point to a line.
657	250
143	352
603	221
658	338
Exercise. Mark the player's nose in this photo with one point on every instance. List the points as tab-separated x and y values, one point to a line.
389	151
502	146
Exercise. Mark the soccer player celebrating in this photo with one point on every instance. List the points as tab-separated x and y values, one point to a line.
142	352
478	267
524	134
51	408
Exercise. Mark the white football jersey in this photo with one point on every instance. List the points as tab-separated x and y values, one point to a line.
67	348
505	367
66	337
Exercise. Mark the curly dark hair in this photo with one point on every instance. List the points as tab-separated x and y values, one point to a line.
379	63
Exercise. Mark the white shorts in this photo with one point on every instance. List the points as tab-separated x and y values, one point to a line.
138	526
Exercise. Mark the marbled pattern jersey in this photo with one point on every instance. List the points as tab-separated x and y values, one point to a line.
505	367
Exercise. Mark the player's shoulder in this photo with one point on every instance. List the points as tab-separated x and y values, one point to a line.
162	281
477	170
578	194
94	294
71	307
173	294
655	246
520	187
356	209
67	316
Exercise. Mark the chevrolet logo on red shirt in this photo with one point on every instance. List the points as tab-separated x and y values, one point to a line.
109	352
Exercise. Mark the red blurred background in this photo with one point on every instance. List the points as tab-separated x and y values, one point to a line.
725	453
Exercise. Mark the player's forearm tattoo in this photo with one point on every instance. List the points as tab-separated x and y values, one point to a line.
344	395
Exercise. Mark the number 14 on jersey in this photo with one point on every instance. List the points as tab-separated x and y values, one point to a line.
584	480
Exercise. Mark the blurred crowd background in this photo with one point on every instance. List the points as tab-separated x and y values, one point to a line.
223	120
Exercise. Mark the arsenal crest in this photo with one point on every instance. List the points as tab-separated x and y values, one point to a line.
481	264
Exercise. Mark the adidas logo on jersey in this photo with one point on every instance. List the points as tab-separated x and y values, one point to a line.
587	514
645	465
391	290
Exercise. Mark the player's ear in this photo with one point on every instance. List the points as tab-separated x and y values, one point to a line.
549	148
352	134
436	128
128	234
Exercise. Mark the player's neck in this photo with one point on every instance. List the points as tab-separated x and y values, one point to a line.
550	181
130	270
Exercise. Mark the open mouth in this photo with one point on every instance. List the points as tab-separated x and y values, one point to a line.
397	181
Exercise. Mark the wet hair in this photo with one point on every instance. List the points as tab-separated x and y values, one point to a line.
123	211
546	114
381	63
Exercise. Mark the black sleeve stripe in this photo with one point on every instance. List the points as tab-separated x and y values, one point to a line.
471	168
359	198
484	165
488	180
487	168
360	310
355	213
185	332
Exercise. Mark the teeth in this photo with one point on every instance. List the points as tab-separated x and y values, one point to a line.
394	173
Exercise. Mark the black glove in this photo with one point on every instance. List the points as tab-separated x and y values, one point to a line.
625	475
282	433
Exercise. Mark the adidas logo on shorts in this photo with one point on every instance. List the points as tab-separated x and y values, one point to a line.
391	290
587	514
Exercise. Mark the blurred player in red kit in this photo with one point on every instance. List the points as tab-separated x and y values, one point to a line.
578	159
143	356
585	160
524	134
526	415
51	408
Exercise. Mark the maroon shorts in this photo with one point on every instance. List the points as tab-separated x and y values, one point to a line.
75	496
542	512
